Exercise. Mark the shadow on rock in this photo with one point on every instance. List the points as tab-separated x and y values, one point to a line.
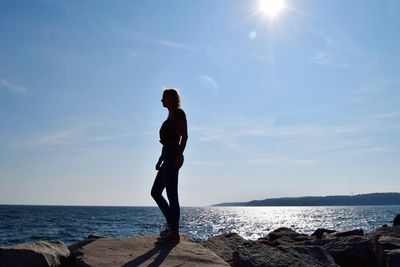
163	249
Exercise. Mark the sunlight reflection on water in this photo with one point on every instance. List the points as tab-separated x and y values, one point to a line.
255	222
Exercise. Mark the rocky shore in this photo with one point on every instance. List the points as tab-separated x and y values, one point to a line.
281	247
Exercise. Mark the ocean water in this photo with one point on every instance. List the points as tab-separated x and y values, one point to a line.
70	224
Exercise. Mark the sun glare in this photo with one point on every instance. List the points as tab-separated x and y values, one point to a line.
271	8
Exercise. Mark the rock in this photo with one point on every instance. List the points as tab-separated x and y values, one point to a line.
75	249
393	258
319	233
357	232
382	239
253	254
143	251
94	236
385	231
42	253
284	236
350	251
383	245
396	221
389	242
224	245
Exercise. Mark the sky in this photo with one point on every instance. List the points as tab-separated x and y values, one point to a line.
302	103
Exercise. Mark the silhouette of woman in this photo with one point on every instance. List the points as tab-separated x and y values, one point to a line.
173	137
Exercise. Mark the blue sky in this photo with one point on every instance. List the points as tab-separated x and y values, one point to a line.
304	103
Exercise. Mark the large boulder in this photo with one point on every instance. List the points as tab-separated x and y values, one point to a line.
256	254
396	221
284	236
389	242
350	251
358	232
393	258
224	245
384	243
143	251
320	232
39	254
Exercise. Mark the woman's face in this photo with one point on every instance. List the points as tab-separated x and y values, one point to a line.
166	100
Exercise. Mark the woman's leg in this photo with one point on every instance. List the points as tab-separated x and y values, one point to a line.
156	193
171	177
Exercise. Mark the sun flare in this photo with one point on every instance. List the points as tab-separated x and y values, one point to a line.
271	8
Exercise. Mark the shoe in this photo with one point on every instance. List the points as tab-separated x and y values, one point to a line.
166	230
169	237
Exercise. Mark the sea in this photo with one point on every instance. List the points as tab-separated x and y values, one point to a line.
70	224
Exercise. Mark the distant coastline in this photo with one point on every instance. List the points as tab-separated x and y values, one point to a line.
373	199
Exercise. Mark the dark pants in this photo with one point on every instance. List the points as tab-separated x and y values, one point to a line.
167	177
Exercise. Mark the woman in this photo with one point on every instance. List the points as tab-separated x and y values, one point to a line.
173	137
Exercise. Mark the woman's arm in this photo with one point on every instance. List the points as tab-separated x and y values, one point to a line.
182	130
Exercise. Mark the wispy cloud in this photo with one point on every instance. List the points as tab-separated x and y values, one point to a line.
338	51
356	146
371	89
386	115
54	138
355	135
242	127
278	160
77	133
320	57
105	138
172	44
140	37
13	87
327	39
208	83
326	59
342	43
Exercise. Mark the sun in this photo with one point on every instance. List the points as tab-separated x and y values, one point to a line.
271	8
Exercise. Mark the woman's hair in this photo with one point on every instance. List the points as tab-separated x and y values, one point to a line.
174	95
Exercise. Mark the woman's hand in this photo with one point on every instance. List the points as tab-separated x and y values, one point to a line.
178	161
158	165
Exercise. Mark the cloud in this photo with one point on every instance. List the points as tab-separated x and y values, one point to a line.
345	44
257	161
355	146
105	138
326	59
354	135
320	57
139	37
281	161
304	162
384	115
174	45
208	82
76	132
67	135
338	51
327	39
16	88
62	137
232	133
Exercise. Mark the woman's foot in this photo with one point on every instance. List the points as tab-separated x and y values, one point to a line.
170	236
166	230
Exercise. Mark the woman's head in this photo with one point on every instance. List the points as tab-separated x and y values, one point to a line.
171	98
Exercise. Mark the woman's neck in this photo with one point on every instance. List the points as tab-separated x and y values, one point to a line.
171	111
